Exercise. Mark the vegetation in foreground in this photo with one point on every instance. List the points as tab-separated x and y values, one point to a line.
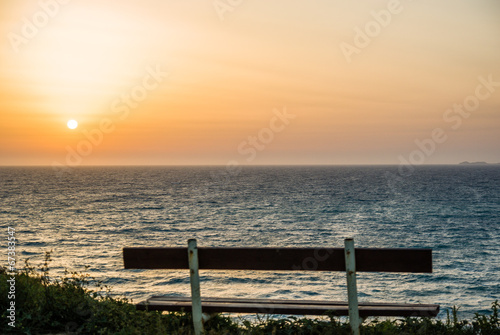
76	304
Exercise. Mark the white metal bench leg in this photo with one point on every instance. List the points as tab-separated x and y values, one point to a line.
195	287
352	291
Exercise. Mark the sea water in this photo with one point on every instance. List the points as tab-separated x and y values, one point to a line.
86	215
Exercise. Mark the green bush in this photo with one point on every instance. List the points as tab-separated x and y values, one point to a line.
77	304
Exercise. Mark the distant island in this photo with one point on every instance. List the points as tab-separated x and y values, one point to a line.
478	163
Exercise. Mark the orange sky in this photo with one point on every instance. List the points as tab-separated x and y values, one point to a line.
256	82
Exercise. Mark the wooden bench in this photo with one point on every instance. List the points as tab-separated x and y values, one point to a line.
345	259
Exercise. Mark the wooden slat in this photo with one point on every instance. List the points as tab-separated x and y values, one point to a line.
298	307
274	259
280	301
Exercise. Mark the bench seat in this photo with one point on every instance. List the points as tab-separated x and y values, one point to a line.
293	307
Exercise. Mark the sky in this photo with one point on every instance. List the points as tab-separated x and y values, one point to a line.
249	82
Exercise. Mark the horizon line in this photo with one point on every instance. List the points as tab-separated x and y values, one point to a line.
246	165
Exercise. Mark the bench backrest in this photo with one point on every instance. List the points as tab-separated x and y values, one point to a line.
288	259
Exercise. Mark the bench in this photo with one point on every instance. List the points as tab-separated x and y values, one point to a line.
345	259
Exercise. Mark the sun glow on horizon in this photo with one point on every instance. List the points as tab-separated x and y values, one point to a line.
72	124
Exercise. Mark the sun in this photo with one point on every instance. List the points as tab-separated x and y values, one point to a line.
72	124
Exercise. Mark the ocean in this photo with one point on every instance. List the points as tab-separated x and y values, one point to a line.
87	215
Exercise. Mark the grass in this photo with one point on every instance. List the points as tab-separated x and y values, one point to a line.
77	304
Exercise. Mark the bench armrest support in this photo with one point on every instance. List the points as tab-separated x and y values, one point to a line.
352	291
195	287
